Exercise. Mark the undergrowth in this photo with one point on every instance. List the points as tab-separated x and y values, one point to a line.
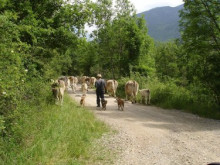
53	135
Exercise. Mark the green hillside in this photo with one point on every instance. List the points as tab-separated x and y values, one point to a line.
162	22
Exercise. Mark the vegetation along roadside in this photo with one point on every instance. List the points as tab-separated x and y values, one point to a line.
54	135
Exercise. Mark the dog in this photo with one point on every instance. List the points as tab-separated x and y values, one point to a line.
120	103
82	101
104	103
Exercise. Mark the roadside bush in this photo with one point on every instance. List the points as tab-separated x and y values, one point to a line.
195	99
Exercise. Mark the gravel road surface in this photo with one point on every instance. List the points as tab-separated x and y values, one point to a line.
151	135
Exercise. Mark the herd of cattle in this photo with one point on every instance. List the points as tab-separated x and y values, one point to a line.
62	84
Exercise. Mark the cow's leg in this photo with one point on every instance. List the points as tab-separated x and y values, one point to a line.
126	96
114	93
57	100
132	99
148	100
55	93
74	88
61	95
61	99
142	99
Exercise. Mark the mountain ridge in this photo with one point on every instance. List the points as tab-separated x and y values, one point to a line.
163	22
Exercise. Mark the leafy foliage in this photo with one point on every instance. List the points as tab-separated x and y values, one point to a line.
201	34
35	45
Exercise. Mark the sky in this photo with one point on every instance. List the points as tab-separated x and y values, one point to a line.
143	5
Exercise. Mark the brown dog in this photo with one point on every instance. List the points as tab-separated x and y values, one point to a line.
120	104
104	103
82	101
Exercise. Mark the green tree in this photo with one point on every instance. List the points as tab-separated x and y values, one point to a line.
36	43
123	41
201	40
166	61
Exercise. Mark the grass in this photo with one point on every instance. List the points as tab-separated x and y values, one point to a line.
54	135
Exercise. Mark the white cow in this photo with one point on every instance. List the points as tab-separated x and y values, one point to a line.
76	80
73	83
145	94
92	82
111	87
66	81
58	88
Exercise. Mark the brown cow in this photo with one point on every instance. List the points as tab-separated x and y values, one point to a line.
131	90
111	87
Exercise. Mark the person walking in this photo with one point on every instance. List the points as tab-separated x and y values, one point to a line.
100	89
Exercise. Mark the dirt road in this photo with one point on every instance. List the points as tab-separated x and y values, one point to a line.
151	135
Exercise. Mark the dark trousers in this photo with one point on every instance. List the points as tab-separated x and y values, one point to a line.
99	95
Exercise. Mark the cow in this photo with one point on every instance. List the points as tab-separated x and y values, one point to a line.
66	81
79	79
87	80
111	87
76	80
58	88
131	90
84	88
92	82
145	94
73	83
83	79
